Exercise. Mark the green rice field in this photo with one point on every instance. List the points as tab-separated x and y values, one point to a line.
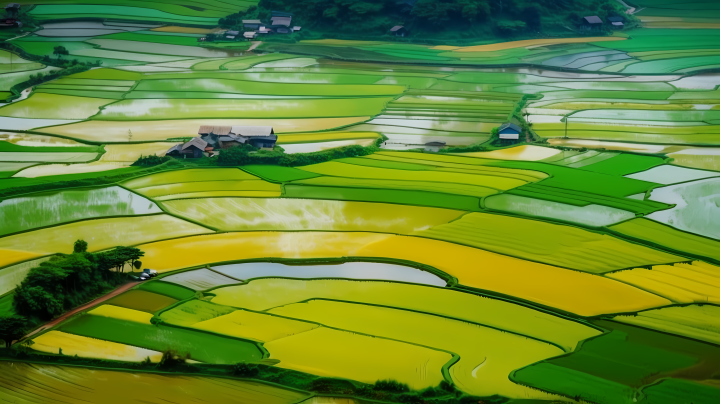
389	241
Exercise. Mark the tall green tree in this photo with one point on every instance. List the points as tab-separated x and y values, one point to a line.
12	328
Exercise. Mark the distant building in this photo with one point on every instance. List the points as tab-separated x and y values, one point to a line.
232	34
193	149
509	131
252	24
284	21
250	35
296	28
264	30
223	137
592	23
398	30
617	22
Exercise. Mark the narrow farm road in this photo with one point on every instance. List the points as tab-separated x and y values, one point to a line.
86	306
254	45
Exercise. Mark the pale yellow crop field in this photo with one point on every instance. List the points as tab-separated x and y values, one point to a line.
337	169
53	341
324	137
697	322
100	234
54	106
483	368
171	254
221	194
252	214
333	353
131	152
680	283
168	190
524	152
25	383
190	175
256	326
529	43
144	131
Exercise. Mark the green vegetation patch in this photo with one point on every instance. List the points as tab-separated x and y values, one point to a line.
419	198
201	346
624	164
670	238
142	300
6	305
168	289
680	391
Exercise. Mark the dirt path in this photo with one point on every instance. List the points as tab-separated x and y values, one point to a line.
86	306
254	45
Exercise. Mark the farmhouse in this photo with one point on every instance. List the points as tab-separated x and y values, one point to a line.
224	137
509	133
592	23
398	30
251	24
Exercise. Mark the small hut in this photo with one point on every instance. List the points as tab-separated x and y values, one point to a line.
251	24
617	22
398	30
509	131
592	23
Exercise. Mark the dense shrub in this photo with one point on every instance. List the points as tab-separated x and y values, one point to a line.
152	160
392	386
242	369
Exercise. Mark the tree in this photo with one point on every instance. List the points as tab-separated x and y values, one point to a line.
510	27
531	17
80	246
137	264
125	254
59	51
12	328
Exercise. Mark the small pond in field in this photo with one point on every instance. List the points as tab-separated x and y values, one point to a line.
349	270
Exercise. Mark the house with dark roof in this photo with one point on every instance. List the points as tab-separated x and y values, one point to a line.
509	131
592	23
223	137
617	22
398	30
252	24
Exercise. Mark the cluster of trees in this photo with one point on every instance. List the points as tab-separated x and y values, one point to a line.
246	154
68	280
63	282
235	20
152	160
375	17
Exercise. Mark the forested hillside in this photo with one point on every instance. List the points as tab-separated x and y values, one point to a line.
440	18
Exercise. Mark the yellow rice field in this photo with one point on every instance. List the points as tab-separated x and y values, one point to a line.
62	169
220	194
131	152
191	175
208	186
333	353
83	385
698	282
8	256
575	292
100	234
524	152
121	313
483	368
324	137
143	131
529	42
53	341
255	326
697	322
266	294
248	214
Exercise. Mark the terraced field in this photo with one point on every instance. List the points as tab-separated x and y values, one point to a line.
392	236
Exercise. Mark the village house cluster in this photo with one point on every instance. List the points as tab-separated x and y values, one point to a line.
280	23
211	139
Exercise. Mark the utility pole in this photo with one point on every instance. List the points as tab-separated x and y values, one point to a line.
567	118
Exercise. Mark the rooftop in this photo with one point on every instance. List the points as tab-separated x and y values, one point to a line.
593	19
396	28
509	126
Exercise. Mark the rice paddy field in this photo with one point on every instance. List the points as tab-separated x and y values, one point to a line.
397	239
